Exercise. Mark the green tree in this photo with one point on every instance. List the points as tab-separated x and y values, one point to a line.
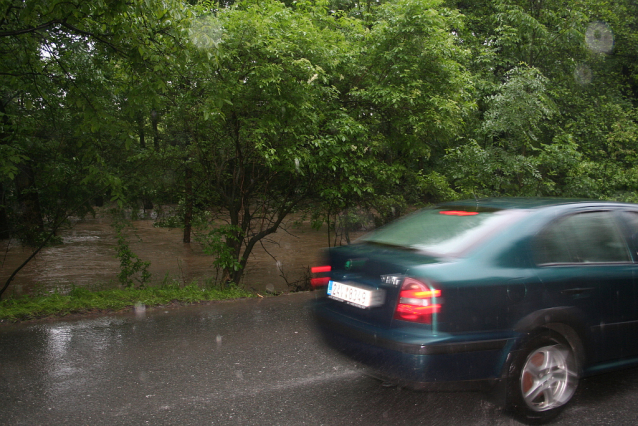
579	95
407	89
62	141
245	113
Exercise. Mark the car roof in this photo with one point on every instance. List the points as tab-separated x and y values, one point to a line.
527	202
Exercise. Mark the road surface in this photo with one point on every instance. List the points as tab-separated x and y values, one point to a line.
246	362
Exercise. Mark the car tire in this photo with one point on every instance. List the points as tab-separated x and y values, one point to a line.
543	378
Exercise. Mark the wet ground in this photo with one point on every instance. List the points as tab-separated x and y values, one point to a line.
245	362
87	257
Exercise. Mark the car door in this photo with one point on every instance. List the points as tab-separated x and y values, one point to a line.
585	263
630	225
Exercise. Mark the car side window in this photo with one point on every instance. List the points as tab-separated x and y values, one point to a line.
631	218
582	238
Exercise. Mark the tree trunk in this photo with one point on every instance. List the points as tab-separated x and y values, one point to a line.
156	137
188	204
346	226
31	223
5	231
147	203
140	130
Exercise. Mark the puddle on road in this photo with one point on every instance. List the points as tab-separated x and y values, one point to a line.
87	258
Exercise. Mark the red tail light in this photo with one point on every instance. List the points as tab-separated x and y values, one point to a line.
457	213
417	302
320	281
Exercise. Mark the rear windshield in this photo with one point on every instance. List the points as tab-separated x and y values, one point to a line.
443	231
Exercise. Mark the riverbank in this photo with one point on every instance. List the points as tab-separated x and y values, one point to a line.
81	300
87	258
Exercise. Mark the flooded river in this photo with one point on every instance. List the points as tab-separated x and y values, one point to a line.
87	258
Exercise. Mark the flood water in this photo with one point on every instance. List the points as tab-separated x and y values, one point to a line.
87	258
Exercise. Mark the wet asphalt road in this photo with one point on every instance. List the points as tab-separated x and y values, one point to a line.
249	362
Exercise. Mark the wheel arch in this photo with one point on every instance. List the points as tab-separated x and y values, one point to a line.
566	321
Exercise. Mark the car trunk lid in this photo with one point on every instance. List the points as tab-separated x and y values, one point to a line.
368	274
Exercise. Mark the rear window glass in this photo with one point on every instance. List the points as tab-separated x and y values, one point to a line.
445	231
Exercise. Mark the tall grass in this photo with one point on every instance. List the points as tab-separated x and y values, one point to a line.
80	300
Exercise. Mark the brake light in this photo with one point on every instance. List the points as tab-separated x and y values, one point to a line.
417	302
321	280
457	213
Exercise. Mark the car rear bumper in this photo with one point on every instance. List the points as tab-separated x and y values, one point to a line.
435	363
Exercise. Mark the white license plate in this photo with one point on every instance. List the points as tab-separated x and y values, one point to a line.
356	296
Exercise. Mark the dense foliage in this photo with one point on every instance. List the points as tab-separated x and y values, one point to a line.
250	110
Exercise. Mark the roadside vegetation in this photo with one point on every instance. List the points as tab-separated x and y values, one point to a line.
81	300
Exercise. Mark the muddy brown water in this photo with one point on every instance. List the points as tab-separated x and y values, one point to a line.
87	258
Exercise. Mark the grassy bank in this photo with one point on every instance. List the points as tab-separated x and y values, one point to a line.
82	300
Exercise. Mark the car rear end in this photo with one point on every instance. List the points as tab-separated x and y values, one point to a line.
384	298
